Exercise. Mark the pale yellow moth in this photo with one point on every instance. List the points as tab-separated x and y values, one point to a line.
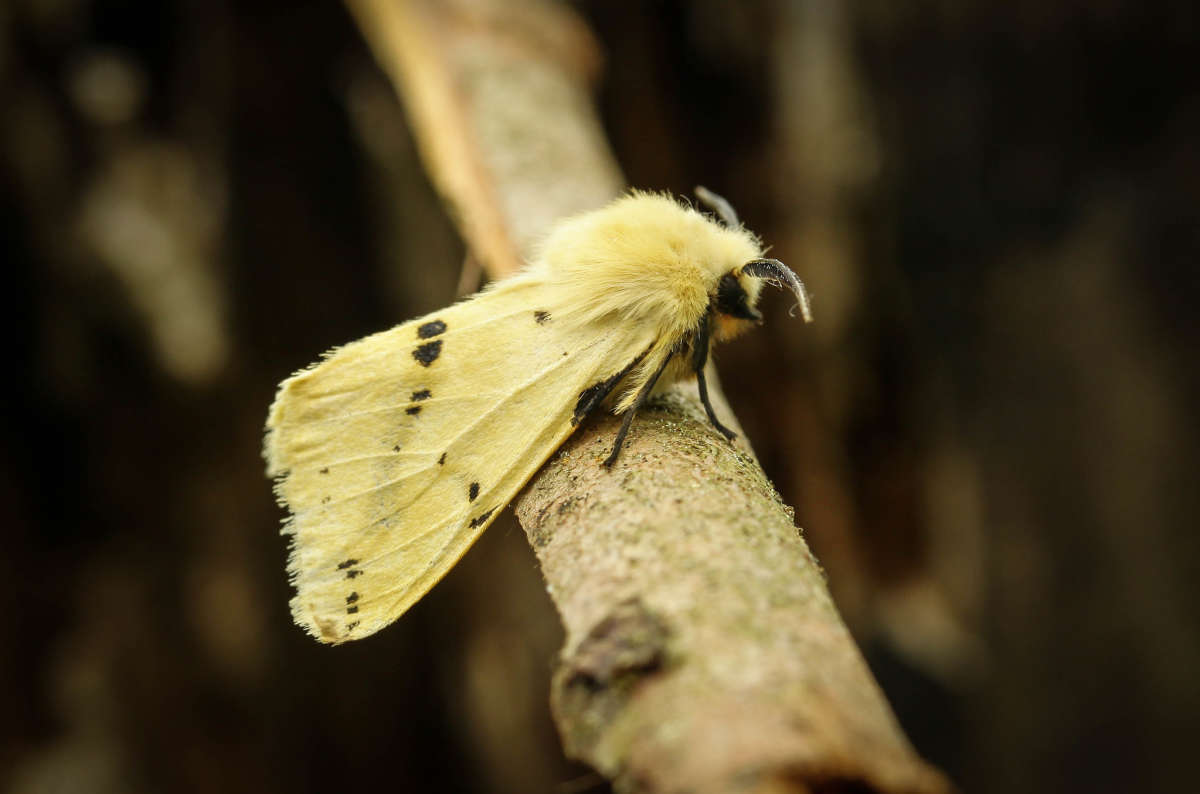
395	452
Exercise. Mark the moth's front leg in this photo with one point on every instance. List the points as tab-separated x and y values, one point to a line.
700	343
642	396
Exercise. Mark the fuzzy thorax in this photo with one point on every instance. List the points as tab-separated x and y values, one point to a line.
645	258
653	265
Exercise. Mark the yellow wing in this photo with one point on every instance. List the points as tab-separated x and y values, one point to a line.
396	451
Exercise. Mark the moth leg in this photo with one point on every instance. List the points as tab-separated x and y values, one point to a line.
699	359
592	396
719	205
641	399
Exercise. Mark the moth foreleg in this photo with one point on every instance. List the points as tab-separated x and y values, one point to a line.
699	359
712	417
642	396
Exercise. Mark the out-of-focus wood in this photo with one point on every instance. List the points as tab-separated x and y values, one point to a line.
703	650
498	100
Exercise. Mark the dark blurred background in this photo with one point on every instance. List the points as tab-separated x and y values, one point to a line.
989	435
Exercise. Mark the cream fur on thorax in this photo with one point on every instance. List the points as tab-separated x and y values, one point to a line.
649	266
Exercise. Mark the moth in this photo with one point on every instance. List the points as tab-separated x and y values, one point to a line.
394	453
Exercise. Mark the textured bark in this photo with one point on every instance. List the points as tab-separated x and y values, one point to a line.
703	650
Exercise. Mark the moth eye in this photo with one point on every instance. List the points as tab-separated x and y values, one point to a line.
731	299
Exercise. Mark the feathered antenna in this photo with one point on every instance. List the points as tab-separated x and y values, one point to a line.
779	274
719	205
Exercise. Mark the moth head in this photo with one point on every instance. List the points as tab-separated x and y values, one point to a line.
656	262
733	303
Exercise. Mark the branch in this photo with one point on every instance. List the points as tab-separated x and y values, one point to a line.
498	97
703	651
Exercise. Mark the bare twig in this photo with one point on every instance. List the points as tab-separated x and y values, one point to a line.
703	651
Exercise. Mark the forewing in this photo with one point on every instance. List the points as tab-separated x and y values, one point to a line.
395	452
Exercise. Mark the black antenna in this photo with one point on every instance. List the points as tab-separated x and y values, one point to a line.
719	205
777	273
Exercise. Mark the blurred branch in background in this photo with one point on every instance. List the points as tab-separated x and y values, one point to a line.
146	217
496	94
913	580
652	598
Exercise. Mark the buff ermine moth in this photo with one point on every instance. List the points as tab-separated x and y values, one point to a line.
394	453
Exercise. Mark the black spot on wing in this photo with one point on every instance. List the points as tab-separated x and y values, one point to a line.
351	610
324	470
431	329
482	519
412	410
542	316
352	626
442	460
473	492
346	564
423	394
350	599
396	448
427	353
352	573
